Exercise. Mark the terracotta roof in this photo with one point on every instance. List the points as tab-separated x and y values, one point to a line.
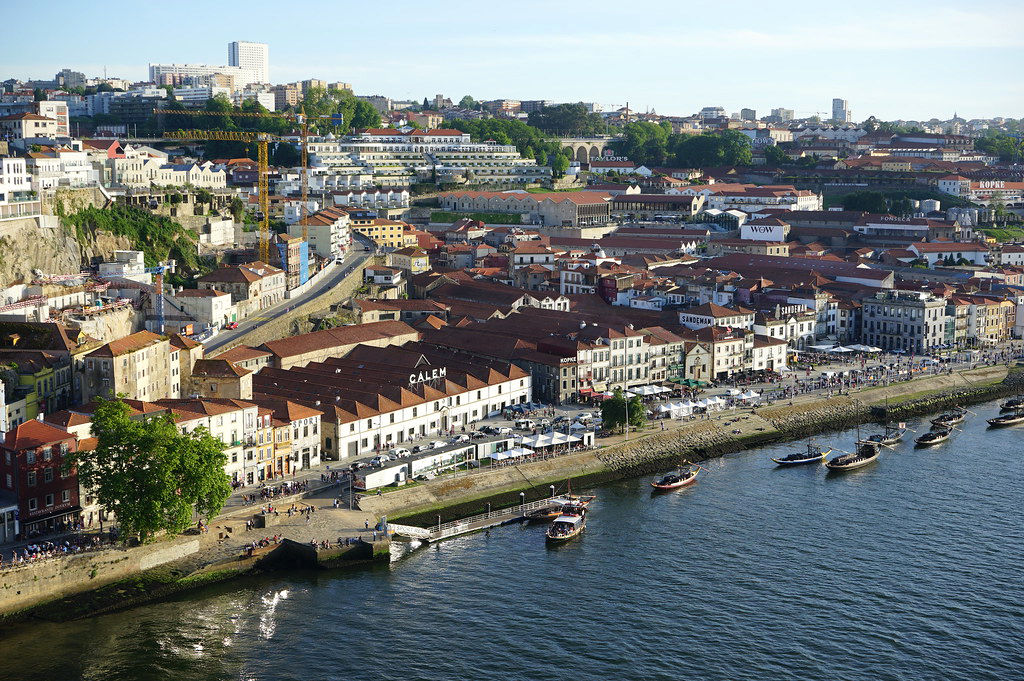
218	368
337	337
184	342
242	353
128	344
34	433
66	419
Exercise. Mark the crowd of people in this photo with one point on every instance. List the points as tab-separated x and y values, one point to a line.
34	553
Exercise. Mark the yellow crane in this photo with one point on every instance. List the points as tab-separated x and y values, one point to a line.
262	139
301	118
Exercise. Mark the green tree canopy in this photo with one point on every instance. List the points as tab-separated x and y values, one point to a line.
150	475
356	113
528	140
774	156
568	120
467	102
613	411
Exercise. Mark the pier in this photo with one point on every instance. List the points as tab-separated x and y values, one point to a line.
474	523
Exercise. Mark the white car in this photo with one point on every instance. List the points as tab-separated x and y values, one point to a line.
437	444
399	452
462	437
503	430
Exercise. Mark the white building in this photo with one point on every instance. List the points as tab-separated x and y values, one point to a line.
127	265
252	57
209	307
60	167
328	232
17	199
197	96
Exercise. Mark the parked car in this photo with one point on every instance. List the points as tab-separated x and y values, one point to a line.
420	448
502	430
543	423
231	325
437	444
399	452
526	424
462	437
356	465
477	434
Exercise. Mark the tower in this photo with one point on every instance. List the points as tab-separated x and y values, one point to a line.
254	57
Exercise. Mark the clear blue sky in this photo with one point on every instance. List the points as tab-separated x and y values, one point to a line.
905	59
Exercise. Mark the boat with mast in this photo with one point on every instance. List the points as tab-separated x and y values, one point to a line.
953	417
866	453
891	436
814	454
681	478
1013	403
1008	419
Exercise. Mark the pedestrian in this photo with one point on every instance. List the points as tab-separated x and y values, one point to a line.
367	524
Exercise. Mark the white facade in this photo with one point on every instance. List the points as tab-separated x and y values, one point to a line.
16	199
61	168
252	57
198	96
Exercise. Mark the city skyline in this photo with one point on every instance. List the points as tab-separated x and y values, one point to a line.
880	67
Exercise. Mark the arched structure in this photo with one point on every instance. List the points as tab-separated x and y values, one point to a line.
586	149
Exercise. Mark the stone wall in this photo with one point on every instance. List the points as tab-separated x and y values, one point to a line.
47	580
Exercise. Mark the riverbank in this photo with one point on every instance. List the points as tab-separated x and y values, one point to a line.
97	587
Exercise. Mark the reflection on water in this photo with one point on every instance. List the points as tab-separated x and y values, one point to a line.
906	569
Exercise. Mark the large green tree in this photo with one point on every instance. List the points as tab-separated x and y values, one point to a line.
568	120
149	475
614	410
356	113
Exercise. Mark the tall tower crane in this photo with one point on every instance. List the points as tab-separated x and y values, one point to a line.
301	119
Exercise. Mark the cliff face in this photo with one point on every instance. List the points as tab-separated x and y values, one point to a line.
43	244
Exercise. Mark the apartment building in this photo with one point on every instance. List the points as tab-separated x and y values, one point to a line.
253	286
17	198
33	471
908	321
559	209
328	232
142	366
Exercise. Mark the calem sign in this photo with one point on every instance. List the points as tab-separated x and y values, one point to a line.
425	375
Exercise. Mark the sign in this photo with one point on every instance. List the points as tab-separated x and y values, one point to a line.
763	232
424	376
992	184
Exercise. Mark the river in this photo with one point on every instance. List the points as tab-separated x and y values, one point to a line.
908	569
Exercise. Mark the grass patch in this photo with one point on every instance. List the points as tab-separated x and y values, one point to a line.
1004	234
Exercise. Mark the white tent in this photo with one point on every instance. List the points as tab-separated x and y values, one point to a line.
577	426
858	347
751	395
665	408
734	392
511	454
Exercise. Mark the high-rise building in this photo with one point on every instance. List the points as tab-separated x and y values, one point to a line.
748	115
69	78
840	110
253	57
783	115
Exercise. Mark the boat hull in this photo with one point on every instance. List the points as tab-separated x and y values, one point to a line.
1000	421
843	467
800	462
563	538
921	442
660	487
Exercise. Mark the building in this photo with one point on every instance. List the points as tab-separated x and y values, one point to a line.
320	346
253	57
411	259
559	209
951	253
142	366
710	314
291	253
196	96
383	232
220	378
652	206
33	471
327	232
909	321
23	126
841	111
17	198
209	307
376	398
253	286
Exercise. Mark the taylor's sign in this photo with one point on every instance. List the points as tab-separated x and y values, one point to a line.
424	375
763	232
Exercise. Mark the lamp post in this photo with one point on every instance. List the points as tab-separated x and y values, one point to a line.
522	500
552	490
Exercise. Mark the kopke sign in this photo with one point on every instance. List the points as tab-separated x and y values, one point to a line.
424	376
763	232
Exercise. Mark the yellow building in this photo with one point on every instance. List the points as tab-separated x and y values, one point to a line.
383	232
411	259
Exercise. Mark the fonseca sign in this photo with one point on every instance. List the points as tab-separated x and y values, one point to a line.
424	376
763	232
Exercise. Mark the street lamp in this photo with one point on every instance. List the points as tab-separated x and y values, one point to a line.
552	490
522	500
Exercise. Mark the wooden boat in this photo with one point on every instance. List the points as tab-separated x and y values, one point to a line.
950	418
814	454
1008	419
567	527
570	503
867	452
934	437
1013	403
891	436
676	480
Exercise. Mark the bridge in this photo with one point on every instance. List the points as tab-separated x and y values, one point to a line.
586	149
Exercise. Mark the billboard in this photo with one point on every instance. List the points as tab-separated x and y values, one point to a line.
763	232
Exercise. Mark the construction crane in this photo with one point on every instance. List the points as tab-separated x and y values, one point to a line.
302	120
159	270
262	139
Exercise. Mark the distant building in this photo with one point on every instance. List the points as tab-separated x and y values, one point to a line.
841	111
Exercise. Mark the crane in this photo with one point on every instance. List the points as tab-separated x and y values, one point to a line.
262	139
159	270
302	119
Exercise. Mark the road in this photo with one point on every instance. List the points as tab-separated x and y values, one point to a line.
226	337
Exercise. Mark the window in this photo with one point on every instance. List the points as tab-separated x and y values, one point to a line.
49	500
10	481
31	478
47	475
33	504
30	457
65	496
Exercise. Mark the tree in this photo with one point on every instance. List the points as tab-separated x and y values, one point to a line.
203	196
150	475
774	156
613	411
872	202
568	120
285	154
237	208
467	102
559	165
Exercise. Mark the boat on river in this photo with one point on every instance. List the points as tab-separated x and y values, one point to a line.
814	454
1013	403
950	418
867	453
934	437
567	527
566	504
891	436
1008	419
675	480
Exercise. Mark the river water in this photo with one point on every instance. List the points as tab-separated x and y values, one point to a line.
908	569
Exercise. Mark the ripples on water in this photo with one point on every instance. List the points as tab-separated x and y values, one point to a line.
908	569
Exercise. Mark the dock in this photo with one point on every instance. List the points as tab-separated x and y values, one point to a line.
472	524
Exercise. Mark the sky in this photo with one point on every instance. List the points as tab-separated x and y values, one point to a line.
911	59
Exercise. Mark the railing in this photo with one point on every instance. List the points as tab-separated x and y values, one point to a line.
459	526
